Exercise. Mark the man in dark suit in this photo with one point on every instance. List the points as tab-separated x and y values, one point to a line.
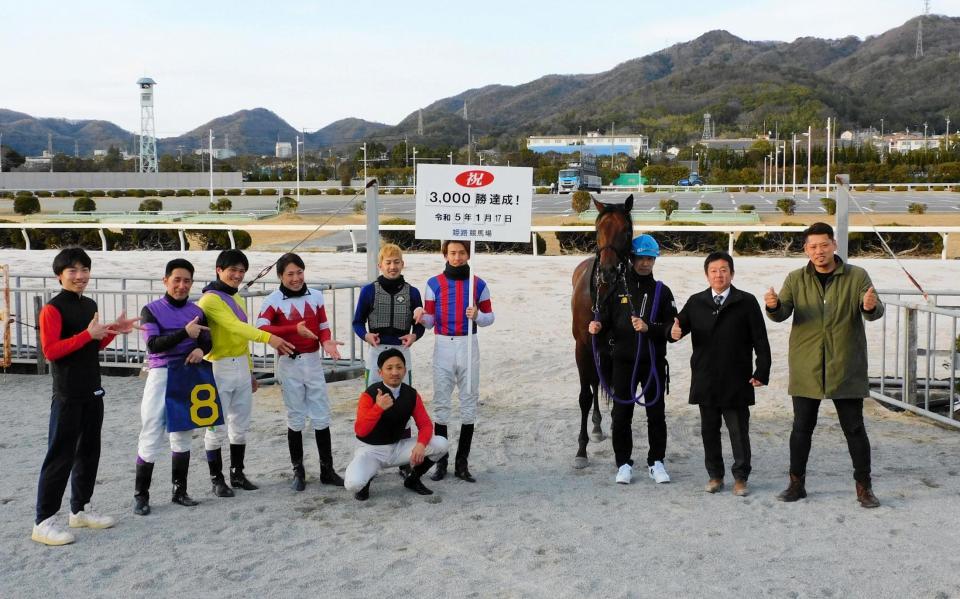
728	328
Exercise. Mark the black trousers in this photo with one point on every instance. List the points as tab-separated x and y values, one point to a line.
73	451
621	428
850	415
738	427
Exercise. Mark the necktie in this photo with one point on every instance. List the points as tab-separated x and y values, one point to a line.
718	300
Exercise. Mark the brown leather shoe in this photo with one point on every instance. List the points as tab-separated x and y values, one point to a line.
795	491
713	485
866	497
740	488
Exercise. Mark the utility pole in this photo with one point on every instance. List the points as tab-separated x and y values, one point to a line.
469	142
809	156
829	137
414	167
794	176
211	166
946	139
297	139
450	156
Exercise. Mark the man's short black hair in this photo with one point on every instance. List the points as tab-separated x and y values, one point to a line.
178	263
286	260
228	258
69	257
390	353
714	256
817	229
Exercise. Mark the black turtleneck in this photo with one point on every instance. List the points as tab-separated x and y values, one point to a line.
391	286
176	302
457	273
287	292
222	287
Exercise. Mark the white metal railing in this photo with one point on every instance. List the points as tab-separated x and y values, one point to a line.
116	294
732	230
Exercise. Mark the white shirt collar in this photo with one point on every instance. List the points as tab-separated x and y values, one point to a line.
724	295
394	390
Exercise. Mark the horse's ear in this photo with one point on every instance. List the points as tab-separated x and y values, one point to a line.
629	203
599	205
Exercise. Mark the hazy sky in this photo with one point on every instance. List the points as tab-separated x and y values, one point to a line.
316	62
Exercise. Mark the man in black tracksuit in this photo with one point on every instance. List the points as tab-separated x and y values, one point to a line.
617	330
71	336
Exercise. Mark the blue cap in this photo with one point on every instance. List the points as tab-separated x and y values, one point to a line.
645	245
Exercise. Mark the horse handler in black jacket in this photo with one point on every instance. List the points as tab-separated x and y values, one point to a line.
728	328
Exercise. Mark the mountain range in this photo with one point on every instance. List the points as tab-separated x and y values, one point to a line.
746	86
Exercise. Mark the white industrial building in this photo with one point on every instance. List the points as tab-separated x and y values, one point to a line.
284	149
593	142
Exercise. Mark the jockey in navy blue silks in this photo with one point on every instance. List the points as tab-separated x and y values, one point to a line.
649	309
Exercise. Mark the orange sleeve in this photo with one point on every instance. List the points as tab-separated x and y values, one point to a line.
368	415
54	347
424	424
106	341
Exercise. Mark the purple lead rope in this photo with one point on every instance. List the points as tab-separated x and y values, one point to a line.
653	377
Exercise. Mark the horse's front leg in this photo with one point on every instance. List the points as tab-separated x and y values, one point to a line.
596	435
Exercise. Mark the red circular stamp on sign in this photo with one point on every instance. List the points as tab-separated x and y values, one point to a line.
475	178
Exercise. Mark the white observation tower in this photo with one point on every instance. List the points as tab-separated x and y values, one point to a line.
148	137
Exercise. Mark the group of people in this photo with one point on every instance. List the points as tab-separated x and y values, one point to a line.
200	371
200	375
829	301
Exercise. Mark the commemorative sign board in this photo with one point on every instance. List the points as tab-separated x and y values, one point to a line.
474	203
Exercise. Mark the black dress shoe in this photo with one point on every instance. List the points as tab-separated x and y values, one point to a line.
363	494
416	485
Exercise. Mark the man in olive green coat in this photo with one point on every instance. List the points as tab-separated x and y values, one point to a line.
829	301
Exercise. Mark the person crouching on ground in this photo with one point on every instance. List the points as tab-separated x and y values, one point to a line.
382	415
727	328
297	314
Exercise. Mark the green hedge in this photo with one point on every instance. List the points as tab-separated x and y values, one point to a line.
333	191
115	193
220	240
234	192
287	204
150	205
184	193
43	194
166	193
84	204
26	204
270	191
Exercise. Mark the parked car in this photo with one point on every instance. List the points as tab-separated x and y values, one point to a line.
692	181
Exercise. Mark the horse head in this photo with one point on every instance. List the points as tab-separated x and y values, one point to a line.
614	238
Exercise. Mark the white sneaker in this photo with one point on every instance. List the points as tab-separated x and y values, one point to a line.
48	533
659	473
625	474
90	519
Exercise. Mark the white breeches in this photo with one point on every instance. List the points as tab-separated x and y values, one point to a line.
153	420
449	369
369	459
236	399
304	391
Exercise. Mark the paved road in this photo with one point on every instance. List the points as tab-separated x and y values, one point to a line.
764	202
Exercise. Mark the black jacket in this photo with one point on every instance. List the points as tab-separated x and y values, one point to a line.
724	342
617	332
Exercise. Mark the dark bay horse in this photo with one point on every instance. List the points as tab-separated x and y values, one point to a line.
614	238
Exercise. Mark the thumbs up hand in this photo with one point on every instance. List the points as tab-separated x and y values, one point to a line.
770	298
676	332
870	300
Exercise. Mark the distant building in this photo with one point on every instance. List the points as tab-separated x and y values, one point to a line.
218	153
99	153
284	149
909	141
593	142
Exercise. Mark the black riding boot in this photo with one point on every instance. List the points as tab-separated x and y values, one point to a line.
327	474
460	469
215	462
440	430
237	478
413	480
181	465
141	495
364	493
295	444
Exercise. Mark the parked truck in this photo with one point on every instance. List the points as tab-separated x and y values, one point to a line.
578	176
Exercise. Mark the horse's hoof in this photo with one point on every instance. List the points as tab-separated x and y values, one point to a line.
597	436
579	463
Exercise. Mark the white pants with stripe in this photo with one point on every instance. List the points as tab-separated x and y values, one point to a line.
304	391
369	459
153	420
449	370
236	399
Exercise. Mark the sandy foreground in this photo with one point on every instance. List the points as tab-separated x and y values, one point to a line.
532	526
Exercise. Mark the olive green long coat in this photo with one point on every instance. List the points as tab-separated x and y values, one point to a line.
828	345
